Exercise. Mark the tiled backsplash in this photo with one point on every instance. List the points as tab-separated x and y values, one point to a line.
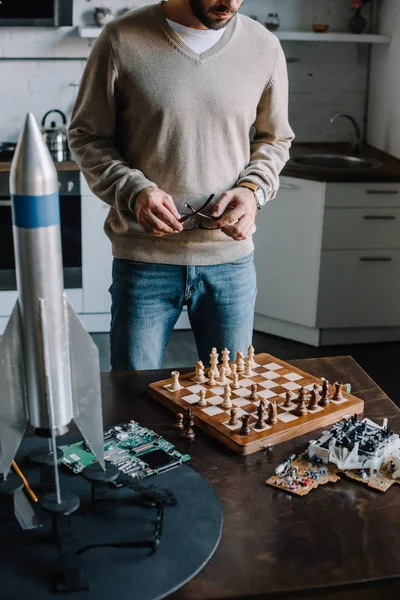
324	78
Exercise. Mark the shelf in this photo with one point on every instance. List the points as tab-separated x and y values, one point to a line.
299	36
310	36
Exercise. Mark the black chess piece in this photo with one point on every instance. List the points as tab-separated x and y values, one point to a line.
179	421
261	417
233	420
325	393
245	430
188	423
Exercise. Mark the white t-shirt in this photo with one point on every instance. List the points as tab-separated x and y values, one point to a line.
198	40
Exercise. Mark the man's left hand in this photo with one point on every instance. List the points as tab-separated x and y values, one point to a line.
237	209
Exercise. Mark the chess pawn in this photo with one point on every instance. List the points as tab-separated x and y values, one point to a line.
211	379
235	380
325	393
225	361
248	372
289	404
227	403
233	420
245	430
272	414
253	396
338	395
250	355
202	399
175	385
233	369
240	366
223	379
199	377
179	421
301	403
313	403
261	417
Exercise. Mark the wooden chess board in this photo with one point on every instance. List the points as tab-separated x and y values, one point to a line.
274	378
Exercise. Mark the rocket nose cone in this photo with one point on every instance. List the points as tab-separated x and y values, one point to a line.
33	172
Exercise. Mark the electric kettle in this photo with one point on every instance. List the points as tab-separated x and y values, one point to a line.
56	137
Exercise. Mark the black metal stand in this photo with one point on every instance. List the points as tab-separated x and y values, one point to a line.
43	458
99	480
72	577
8	487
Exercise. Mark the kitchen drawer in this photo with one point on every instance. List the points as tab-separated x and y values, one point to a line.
360	195
361	228
359	289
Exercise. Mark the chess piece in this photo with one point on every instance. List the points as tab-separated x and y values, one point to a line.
253	396
245	429
175	385
202	399
233	420
250	355
261	417
338	395
211	379
313	403
214	362
235	380
227	402
179	421
301	403
225	361
288	402
240	366
199	377
188	423
325	393
223	380
248	372
272	414
233	367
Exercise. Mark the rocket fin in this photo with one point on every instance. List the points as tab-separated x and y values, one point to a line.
12	391
85	384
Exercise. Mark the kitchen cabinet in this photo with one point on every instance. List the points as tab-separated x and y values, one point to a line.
328	262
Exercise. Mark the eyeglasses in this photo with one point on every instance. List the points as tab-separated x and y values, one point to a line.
198	219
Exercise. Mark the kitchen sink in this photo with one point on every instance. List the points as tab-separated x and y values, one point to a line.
336	161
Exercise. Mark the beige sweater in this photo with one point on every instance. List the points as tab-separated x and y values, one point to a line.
152	111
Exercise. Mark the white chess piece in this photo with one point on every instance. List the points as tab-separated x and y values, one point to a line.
175	385
250	355
214	362
200	377
225	361
211	379
223	379
240	366
227	403
235	379
248	372
202	400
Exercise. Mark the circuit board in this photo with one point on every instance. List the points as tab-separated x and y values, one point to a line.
274	379
133	449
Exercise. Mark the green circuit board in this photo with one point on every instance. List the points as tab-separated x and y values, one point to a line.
133	449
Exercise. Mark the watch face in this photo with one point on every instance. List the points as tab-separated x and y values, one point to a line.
260	197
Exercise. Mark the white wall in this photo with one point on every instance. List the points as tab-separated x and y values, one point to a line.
384	107
324	78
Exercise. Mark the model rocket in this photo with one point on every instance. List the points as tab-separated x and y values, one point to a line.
49	365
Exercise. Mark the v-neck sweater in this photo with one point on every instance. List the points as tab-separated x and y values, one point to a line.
151	111
198	40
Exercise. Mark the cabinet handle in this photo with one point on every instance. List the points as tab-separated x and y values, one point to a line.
376	259
386	192
379	217
5	203
289	186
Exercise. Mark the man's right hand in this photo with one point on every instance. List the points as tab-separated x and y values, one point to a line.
156	212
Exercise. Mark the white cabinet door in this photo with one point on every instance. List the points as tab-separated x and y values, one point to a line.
288	251
96	255
359	288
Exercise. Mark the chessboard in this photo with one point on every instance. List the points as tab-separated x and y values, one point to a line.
274	379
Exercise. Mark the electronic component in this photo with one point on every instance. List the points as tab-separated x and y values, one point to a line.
133	449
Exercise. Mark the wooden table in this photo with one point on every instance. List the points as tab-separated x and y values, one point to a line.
341	541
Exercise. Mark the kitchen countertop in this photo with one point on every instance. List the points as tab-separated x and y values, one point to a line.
64	166
389	171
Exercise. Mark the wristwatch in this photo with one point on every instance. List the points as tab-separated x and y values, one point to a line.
258	192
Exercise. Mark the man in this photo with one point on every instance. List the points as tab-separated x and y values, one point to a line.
162	122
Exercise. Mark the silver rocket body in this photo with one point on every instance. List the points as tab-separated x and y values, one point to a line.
49	366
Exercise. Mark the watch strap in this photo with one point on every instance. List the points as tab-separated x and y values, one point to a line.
248	184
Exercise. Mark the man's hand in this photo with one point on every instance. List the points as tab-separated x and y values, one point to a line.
238	209
156	212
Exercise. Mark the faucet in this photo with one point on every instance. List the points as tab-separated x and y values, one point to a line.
358	144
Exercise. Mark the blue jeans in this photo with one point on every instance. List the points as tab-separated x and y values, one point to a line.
147	300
